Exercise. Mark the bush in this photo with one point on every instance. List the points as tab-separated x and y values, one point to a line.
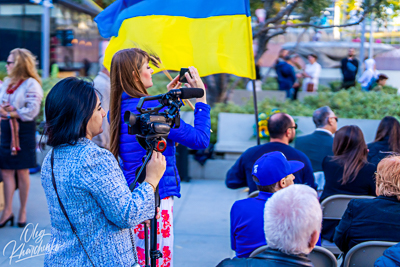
47	84
352	103
3	70
270	84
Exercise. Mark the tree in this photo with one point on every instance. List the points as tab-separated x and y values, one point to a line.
104	3
278	14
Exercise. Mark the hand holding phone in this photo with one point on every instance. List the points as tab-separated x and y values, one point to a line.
182	77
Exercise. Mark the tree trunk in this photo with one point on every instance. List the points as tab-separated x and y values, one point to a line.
217	86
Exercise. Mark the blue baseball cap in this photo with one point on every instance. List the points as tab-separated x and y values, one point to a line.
273	167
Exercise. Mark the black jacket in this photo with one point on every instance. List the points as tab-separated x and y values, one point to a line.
349	74
375	219
268	258
363	184
378	150
316	146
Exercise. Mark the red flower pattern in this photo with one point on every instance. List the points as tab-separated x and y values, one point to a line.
163	232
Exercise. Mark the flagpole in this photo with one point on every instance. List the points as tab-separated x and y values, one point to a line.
256	110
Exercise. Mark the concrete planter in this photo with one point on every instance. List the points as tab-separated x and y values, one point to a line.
235	135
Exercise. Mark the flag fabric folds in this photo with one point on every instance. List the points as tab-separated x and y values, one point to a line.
213	35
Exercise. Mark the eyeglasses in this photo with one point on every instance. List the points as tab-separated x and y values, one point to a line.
294	127
336	118
9	63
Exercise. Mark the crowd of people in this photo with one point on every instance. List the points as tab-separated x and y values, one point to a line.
331	162
291	76
93	161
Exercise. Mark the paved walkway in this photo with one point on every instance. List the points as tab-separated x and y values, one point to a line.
201	220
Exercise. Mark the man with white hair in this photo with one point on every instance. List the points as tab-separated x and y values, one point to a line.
292	225
103	86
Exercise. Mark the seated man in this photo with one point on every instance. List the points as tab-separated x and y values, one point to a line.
318	145
375	219
282	131
271	173
292	227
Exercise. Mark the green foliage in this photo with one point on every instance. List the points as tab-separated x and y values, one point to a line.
312	8
389	89
160	82
47	84
101	3
352	103
270	84
3	70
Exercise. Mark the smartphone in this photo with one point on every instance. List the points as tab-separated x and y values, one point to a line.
182	77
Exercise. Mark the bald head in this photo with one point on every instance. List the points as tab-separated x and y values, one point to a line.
278	124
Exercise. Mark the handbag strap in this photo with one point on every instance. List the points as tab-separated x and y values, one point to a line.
62	206
70	223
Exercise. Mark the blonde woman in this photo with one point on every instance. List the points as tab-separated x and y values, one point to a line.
374	219
20	98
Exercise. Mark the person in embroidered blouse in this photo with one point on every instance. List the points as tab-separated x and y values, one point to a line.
90	184
20	99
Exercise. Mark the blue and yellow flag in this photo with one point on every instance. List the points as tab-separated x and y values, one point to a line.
213	35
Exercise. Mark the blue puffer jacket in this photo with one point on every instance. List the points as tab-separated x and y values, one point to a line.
390	258
131	153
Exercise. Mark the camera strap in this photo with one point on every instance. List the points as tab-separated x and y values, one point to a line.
70	223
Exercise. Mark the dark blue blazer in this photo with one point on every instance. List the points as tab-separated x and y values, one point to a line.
375	219
316	146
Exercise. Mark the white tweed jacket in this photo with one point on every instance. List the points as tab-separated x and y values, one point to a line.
98	202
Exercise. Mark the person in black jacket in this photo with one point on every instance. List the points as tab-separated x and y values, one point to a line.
291	231
347	172
349	67
286	75
282	131
318	144
387	140
375	219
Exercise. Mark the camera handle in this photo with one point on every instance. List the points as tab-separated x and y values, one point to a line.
154	252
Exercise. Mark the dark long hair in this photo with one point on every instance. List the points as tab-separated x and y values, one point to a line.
389	127
350	151
123	65
68	108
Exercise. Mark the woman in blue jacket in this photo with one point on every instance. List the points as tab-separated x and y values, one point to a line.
130	78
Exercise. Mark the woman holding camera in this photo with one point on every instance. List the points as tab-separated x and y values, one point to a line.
130	79
91	208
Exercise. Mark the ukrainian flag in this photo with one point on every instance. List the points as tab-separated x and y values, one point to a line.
213	35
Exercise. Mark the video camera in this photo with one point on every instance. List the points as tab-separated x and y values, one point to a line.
152	126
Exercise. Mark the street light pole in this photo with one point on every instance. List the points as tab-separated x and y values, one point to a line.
46	39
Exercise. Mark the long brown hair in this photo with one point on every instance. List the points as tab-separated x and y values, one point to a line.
389	127
24	66
124	65
350	151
